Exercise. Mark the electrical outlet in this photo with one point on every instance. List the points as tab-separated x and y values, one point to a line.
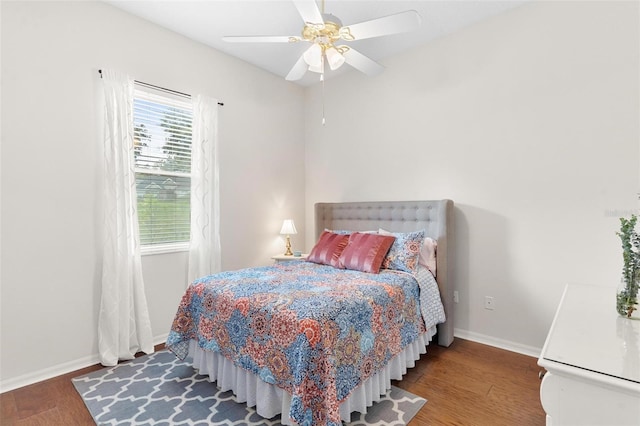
456	298
489	303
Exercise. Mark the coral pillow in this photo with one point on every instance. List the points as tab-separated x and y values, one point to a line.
328	249
365	252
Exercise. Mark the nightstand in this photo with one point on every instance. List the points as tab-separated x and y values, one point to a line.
283	258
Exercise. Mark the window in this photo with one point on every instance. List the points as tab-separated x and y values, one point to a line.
162	150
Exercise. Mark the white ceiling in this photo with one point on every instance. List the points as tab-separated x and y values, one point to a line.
208	21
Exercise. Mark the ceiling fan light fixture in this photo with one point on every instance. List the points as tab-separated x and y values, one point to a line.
334	58
313	56
319	69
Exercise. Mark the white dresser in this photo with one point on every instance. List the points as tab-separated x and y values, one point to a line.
592	358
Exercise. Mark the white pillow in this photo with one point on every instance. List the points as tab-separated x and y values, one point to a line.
428	251
428	254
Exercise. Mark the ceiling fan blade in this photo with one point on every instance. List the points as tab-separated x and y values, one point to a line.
261	39
361	62
309	11
393	24
298	70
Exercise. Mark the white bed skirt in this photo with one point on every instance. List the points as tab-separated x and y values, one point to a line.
271	400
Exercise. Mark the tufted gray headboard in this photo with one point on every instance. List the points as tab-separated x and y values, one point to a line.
402	216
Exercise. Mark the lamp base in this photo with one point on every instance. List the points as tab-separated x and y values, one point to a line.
288	252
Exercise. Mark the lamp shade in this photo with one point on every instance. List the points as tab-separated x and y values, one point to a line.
334	58
288	228
313	55
319	69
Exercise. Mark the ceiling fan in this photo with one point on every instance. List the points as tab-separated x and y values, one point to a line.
324	30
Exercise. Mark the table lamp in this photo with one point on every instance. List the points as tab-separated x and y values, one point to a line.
288	228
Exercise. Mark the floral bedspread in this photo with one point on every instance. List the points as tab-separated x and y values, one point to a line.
313	330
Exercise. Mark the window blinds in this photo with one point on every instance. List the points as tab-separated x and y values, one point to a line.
162	150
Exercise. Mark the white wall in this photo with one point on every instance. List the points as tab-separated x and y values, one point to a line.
51	52
529	121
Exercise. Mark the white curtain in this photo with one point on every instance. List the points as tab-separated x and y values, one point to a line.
124	327
204	252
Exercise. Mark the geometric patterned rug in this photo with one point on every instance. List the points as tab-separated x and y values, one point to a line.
160	389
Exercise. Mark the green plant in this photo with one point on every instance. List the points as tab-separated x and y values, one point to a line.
627	298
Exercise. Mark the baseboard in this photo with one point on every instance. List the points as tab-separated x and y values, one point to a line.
58	370
48	373
498	343
160	339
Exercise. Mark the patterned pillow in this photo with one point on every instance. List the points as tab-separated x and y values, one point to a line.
405	251
365	252
328	249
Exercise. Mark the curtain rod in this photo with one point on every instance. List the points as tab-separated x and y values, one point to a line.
153	86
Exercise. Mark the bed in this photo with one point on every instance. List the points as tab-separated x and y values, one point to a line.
315	343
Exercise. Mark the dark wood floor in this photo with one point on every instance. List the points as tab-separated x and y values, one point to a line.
473	384
465	384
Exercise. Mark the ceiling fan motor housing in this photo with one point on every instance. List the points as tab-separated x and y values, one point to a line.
325	34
